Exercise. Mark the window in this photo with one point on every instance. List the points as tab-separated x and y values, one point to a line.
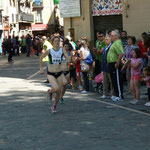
12	17
16	17
38	16
10	2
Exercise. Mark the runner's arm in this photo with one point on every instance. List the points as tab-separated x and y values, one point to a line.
41	58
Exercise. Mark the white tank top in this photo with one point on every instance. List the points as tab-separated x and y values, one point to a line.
56	56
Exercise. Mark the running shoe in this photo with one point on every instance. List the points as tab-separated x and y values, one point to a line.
54	110
147	104
61	101
134	102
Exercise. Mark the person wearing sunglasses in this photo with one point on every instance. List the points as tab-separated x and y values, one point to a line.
98	50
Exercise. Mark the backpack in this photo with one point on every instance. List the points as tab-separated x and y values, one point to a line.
89	59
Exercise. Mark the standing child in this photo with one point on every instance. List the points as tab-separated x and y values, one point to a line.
135	64
147	80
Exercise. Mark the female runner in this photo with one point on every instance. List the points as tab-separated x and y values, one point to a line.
65	69
54	75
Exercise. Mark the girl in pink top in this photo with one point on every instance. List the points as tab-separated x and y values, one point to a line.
135	64
147	80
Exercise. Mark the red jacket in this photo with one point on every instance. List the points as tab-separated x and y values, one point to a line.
143	49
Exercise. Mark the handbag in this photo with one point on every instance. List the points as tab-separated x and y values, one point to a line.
85	67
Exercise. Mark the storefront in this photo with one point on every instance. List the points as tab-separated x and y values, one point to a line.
107	15
39	29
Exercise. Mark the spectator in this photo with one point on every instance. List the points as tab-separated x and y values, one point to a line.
114	57
128	55
23	44
13	41
84	52
17	45
147	80
35	44
124	39
106	76
143	50
135	64
147	46
9	49
4	46
28	45
100	44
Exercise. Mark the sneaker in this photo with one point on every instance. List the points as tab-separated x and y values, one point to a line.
80	87
84	92
61	101
54	110
112	97
104	97
72	87
115	98
134	102
147	104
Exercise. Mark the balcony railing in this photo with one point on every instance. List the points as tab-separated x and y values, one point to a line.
26	18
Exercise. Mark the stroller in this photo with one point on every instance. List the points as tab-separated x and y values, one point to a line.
99	83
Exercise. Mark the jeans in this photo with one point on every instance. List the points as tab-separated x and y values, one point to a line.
97	67
28	50
86	80
10	51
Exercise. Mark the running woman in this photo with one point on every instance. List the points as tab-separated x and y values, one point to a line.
54	75
65	69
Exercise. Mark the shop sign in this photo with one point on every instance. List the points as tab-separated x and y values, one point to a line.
106	7
70	8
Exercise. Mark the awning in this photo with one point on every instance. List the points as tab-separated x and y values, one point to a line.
39	27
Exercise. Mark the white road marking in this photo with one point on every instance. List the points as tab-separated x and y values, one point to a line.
122	107
33	75
113	105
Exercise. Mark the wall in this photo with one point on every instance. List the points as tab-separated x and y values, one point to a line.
138	20
47	11
83	25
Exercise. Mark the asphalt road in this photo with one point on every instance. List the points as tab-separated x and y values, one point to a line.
84	122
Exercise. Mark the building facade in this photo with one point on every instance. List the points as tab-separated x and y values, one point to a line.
1	25
96	15
17	17
25	18
44	16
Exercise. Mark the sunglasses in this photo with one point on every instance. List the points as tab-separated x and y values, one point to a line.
100	36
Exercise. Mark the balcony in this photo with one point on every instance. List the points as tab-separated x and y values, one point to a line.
26	18
37	4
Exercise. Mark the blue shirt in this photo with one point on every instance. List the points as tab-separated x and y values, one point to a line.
104	60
